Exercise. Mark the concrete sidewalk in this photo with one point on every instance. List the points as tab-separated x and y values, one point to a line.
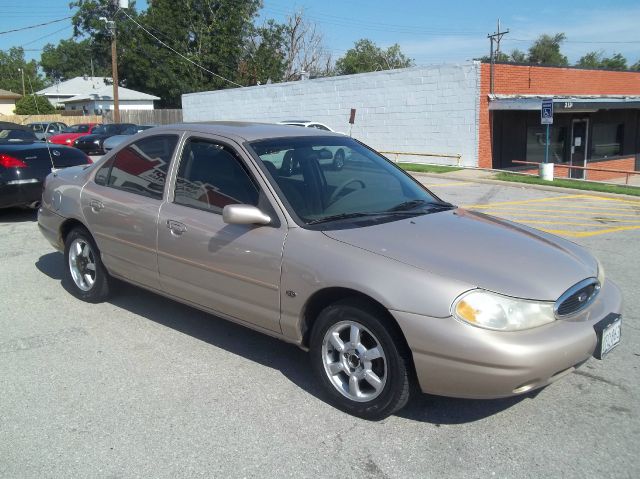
478	175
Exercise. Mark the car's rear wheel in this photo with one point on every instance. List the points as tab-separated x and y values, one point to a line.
360	360
338	160
84	271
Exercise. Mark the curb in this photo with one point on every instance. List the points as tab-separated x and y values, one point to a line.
514	184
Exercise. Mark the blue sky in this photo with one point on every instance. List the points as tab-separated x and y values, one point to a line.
428	31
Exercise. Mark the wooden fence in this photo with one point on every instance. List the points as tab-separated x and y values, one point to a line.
146	117
68	120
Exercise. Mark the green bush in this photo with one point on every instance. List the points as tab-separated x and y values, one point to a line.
27	106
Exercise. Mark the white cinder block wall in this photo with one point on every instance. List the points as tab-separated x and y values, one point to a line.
431	109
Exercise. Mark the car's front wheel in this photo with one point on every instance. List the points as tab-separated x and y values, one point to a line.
84	271
360	360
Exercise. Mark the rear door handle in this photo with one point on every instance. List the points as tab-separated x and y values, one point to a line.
176	227
96	205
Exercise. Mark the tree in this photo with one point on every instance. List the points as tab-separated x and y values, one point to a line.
616	62
210	33
265	54
635	66
366	56
34	105
70	59
546	50
518	56
598	60
305	50
11	62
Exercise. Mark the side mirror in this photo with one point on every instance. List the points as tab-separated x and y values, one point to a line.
244	215
325	154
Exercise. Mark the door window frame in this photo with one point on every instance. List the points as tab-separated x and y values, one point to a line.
109	161
247	164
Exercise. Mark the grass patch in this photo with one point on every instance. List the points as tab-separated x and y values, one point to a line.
575	184
427	168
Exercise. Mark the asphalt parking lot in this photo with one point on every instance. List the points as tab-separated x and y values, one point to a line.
142	386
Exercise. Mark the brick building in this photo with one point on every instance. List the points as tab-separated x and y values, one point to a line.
450	110
596	118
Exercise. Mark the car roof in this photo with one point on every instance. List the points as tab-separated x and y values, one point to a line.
8	125
246	131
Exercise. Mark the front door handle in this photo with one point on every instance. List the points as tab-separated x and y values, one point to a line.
96	205
176	227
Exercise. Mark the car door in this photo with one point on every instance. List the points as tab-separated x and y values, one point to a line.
233	270
121	206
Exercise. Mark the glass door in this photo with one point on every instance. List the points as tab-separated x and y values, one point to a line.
579	140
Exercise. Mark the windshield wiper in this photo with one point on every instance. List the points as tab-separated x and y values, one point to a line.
412	204
341	216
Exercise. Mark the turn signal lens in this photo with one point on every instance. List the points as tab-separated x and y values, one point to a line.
9	161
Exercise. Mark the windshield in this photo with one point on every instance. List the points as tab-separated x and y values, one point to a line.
327	179
77	129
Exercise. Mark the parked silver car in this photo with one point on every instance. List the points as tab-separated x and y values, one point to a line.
386	284
113	141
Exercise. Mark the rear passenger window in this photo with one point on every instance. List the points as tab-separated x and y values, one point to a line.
141	167
210	177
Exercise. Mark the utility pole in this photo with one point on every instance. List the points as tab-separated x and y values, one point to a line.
495	37
111	26
114	73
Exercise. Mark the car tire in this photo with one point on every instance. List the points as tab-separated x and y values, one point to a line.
370	377
338	160
84	272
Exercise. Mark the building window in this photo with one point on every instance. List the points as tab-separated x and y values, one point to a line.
536	138
607	140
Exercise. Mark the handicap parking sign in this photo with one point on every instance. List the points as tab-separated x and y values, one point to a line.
546	112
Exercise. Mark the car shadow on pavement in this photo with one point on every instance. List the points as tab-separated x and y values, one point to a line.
18	215
291	361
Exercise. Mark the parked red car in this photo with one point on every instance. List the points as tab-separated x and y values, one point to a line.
73	133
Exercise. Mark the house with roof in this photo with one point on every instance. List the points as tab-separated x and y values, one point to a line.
94	95
8	102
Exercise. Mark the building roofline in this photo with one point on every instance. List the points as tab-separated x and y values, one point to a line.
569	67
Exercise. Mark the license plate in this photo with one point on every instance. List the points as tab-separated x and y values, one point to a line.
608	333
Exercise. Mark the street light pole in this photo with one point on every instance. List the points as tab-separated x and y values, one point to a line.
21	70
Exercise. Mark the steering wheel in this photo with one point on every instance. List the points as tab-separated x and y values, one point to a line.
336	194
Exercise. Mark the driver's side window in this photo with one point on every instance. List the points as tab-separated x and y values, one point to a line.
211	176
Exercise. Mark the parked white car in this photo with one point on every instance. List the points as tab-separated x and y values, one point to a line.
337	157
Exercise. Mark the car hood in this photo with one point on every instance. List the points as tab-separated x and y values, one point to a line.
62	137
478	249
92	137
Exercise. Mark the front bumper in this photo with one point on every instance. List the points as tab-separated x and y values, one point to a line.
456	359
89	148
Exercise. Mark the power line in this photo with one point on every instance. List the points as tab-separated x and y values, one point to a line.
36	26
580	41
178	53
46	36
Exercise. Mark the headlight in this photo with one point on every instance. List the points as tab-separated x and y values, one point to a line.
68	140
96	142
502	313
600	273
